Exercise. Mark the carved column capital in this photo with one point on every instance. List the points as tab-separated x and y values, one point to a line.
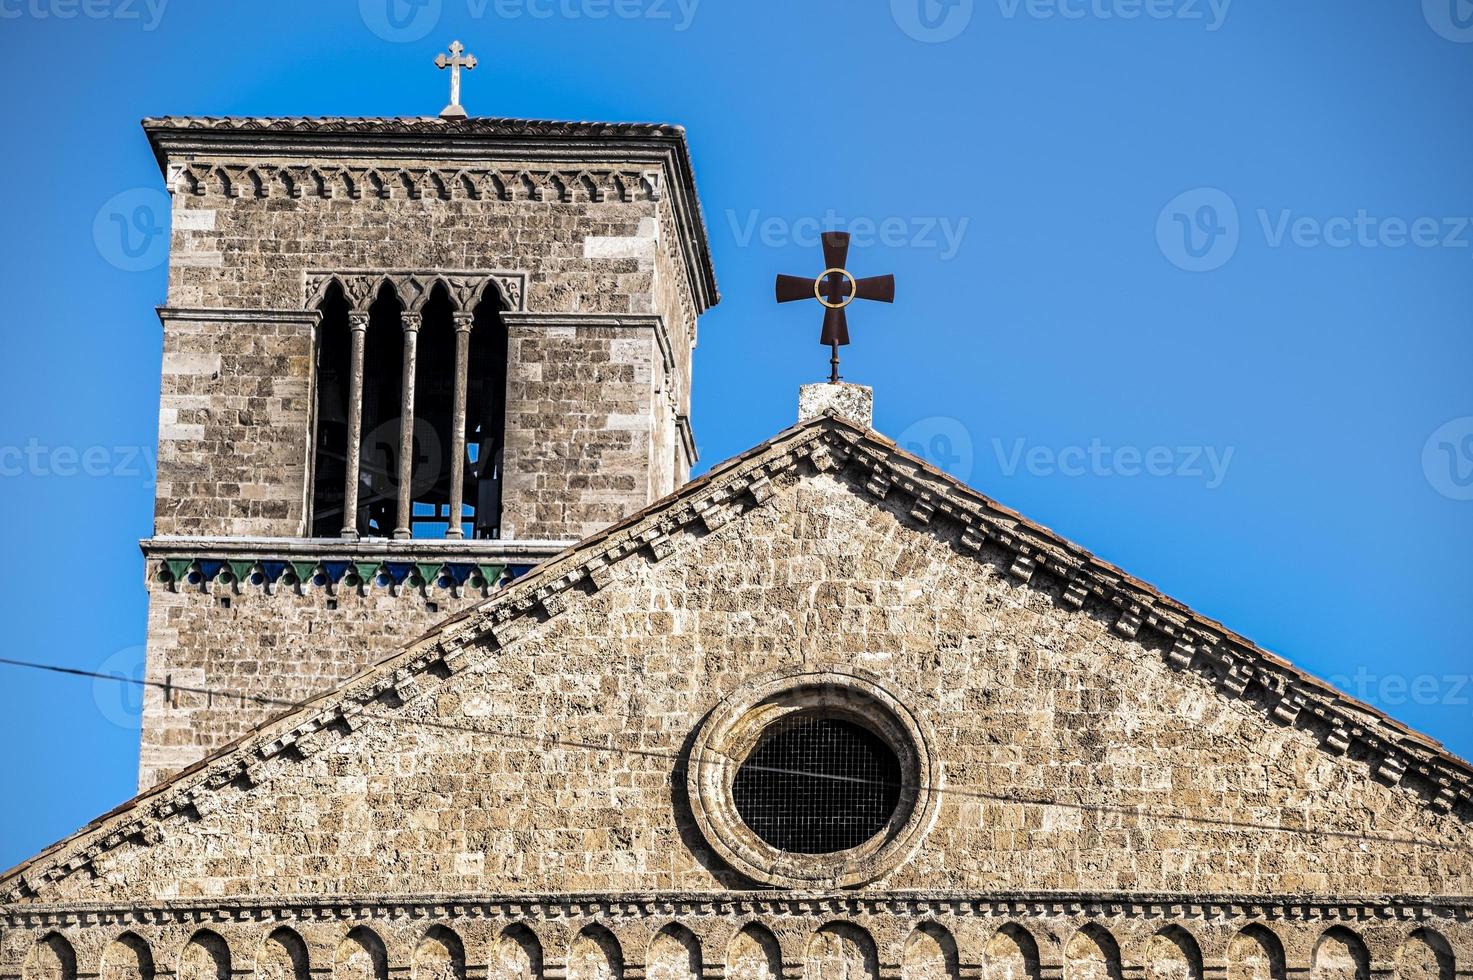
463	321
358	320
411	321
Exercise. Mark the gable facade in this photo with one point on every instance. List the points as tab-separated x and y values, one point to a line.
1098	782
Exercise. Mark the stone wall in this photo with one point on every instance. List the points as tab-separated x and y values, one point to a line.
286	634
552	760
236	405
235	417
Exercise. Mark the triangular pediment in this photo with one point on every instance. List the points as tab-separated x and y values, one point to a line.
1075	714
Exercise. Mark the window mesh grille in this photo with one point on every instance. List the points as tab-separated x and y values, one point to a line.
818	786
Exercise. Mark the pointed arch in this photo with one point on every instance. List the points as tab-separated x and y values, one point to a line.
1092	954
253	182
440	955
1425	955
51	958
595	955
1173	954
191	182
127	958
361	956
589	186
283	956
1340	955
674	954
931	954
841	951
1011	954
1256	953
754	954
497	186
206	957
516	955
465	185
524	187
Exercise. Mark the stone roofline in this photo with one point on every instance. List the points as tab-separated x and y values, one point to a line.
176	138
1236	667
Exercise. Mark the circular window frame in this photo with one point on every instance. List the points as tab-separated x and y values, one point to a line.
733	729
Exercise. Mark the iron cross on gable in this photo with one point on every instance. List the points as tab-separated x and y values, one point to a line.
835	288
455	63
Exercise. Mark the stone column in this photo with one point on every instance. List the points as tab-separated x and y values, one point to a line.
463	322
411	322
358	325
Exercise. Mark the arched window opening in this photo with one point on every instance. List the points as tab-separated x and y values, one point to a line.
449	485
330	443
434	398
485	420
383	370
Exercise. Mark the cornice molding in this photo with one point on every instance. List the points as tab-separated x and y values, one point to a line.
770	904
184	145
224	314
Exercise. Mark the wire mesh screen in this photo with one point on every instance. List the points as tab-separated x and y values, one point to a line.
818	786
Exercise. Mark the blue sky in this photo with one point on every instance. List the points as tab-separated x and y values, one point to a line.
1187	281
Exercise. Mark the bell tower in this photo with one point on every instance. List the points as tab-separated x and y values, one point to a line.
404	360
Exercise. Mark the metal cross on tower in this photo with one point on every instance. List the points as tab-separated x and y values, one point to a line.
835	288
455	63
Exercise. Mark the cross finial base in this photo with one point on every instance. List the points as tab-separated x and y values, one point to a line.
850	401
453	112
